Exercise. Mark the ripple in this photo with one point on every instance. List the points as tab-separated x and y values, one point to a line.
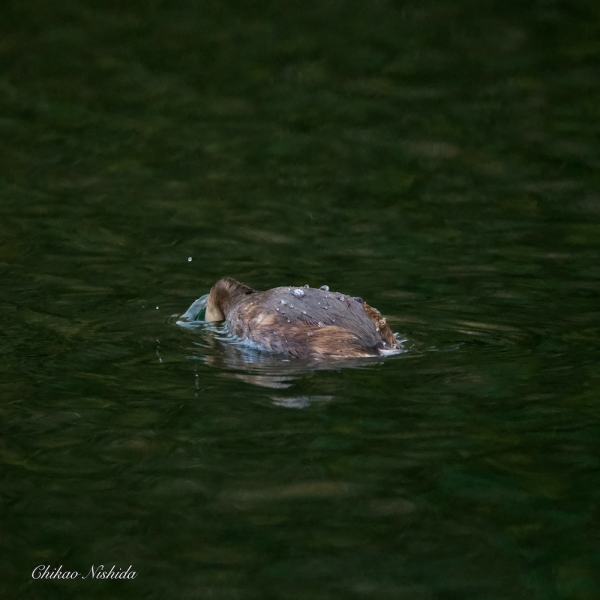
247	361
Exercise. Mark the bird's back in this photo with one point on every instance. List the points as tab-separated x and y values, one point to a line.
310	323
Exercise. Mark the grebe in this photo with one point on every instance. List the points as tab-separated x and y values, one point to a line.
301	321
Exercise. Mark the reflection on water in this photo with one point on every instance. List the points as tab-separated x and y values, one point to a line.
299	401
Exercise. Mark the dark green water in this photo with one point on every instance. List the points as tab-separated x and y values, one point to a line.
439	159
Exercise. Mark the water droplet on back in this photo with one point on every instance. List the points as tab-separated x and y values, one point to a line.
324	288
298	292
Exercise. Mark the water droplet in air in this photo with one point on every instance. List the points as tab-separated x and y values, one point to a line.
306	285
289	321
189	259
277	309
157	308
324	288
376	328
298	292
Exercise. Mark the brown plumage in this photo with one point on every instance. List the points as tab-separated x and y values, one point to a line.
302	322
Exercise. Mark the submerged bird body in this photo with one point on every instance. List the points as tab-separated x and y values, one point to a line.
302	322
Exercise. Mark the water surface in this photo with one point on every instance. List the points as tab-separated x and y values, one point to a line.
439	160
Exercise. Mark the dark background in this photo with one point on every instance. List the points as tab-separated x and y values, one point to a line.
439	159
